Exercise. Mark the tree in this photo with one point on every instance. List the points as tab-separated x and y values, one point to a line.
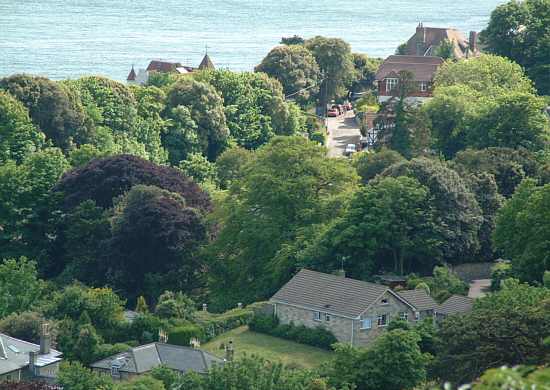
103	180
393	362
251	372
293	40
145	382
230	166
365	72
445	50
51	109
295	68
335	60
522	231
199	168
370	164
287	188
181	137
154	240
255	107
519	31
24	325
20	287
141	305
516	378
488	75
389	219
175	305
18	136
456	211
504	328
206	108
74	376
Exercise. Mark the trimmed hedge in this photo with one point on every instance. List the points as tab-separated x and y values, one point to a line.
181	335
317	337
215	324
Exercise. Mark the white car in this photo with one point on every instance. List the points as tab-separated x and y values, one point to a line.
350	149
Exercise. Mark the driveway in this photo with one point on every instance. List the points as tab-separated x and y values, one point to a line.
342	131
479	287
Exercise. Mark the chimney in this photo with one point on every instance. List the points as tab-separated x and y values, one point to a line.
45	339
229	351
204	307
239	305
32	362
473	41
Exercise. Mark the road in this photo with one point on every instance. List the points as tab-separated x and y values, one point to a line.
342	131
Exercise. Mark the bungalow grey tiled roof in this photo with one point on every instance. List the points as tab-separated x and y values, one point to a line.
329	293
419	299
14	354
423	68
144	358
456	304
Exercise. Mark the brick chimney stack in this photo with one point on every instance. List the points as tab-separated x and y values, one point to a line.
45	339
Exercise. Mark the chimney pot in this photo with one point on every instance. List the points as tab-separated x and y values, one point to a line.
45	339
32	362
239	305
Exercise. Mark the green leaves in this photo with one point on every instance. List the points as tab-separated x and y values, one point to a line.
20	287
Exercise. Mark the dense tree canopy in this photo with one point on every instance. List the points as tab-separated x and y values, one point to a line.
287	188
523	233
18	136
295	68
370	164
520	31
51	109
104	179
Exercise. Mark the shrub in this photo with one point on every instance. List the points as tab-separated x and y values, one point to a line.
216	324
181	335
317	337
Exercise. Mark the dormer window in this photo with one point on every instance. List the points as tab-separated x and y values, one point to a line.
384	301
114	371
391	84
317	316
423	86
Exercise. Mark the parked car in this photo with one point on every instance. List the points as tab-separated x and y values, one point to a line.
350	149
333	113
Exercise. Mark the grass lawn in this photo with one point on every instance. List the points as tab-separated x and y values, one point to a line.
268	347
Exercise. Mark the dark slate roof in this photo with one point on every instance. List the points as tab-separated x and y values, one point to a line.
456	304
206	63
132	75
329	293
146	357
419	299
14	354
430	37
423	68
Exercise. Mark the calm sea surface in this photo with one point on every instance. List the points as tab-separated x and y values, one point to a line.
70	38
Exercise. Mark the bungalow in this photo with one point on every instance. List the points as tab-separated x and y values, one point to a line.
422	69
21	360
140	360
356	312
426	41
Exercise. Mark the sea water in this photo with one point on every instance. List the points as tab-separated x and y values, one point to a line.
71	38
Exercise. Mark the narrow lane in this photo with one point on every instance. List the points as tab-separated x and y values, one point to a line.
342	131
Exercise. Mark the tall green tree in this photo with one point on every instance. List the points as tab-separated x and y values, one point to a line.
523	233
335	60
287	188
20	286
520	31
295	68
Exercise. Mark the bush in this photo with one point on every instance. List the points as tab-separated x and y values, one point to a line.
317	337
216	324
181	335
318	136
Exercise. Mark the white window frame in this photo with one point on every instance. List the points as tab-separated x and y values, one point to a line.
327	317
115	372
316	316
366	323
379	320
391	83
423	86
404	316
416	315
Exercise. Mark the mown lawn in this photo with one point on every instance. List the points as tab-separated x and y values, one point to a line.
271	348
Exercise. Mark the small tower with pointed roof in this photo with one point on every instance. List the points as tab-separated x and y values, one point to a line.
132	76
206	62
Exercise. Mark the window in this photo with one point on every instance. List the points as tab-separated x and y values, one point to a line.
366	323
416	316
114	371
384	301
404	316
423	86
317	316
383	320
327	317
391	84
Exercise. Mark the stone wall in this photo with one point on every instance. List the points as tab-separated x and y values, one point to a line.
339	326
